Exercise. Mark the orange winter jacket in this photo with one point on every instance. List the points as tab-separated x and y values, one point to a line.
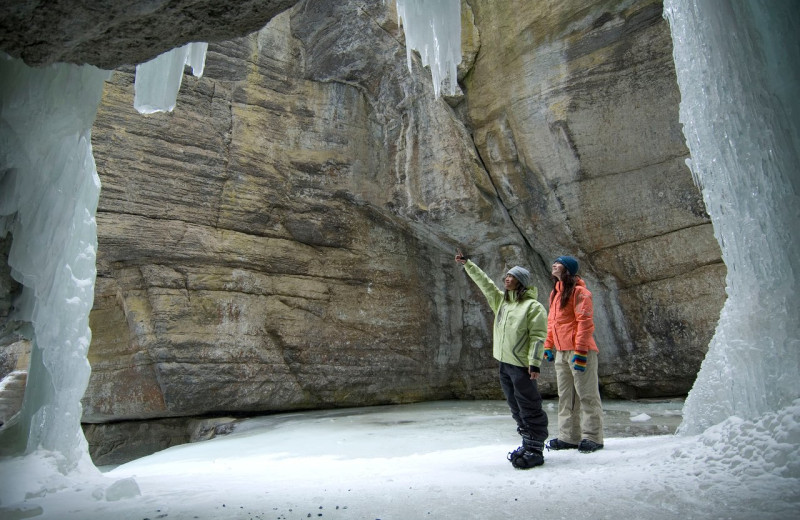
571	327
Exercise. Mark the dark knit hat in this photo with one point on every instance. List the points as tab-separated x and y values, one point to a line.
521	274
570	263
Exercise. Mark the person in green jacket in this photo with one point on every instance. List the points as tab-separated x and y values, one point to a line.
520	328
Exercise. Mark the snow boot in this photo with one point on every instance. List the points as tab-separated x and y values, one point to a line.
558	444
528	455
587	446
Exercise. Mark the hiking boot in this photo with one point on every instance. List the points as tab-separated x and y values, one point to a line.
587	446
526	459
527	456
557	444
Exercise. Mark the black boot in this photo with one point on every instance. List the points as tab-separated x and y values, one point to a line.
587	446
558	444
528	455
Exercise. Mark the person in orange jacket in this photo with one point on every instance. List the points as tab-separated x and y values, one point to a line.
570	329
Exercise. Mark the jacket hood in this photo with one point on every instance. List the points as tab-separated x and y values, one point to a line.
530	293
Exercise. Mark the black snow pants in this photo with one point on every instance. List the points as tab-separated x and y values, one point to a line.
525	401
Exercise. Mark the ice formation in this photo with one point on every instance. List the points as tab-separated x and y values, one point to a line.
433	27
158	81
738	68
48	195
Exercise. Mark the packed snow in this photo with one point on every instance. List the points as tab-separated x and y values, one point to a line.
445	460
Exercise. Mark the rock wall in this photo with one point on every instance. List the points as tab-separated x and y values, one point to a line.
574	110
284	239
112	33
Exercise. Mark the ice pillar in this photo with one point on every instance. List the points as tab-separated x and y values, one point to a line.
48	196
738	68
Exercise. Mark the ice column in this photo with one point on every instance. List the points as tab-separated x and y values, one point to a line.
48	196
433	27
738	68
158	81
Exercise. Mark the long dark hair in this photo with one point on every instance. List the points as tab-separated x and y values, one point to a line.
569	281
519	291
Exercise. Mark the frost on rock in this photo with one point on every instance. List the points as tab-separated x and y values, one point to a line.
738	69
158	81
433	27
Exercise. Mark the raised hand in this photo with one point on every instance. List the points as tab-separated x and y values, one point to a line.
460	258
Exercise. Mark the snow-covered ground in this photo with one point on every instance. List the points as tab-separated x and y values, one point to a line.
447	460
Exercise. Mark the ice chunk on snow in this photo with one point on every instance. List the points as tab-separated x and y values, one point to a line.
158	81
433	27
642	417
123	488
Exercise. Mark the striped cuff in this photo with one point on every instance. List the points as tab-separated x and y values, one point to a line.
579	360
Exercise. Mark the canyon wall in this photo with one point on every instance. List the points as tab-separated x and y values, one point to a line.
574	110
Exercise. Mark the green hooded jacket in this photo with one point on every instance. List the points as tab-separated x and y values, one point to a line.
520	327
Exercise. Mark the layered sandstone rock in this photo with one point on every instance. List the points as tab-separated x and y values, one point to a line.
284	239
574	107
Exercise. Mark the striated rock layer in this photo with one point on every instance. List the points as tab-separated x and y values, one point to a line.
284	239
574	107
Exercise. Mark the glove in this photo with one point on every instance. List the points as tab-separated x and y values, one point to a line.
548	354
579	361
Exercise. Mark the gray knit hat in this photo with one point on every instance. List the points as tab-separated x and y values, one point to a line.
521	274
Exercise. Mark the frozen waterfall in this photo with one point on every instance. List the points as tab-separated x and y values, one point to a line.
738	67
48	196
158	81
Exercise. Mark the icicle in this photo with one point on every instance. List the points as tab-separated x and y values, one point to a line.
158	81
433	27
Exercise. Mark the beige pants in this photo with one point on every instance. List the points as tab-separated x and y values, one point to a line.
580	412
